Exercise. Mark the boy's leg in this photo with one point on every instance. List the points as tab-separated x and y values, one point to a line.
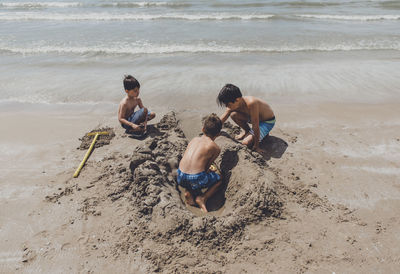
201	200
189	198
143	117
241	120
248	141
137	118
265	128
151	116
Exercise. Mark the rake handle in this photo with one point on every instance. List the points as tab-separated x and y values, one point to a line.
76	174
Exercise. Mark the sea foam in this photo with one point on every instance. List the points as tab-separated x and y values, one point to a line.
25	16
148	48
351	17
39	4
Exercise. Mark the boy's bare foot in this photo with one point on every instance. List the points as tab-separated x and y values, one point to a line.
189	199
241	135
201	201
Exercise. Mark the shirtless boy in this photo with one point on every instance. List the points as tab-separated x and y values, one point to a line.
194	169
244	110
133	121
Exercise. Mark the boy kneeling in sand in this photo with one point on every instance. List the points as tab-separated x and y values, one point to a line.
133	121
245	110
194	169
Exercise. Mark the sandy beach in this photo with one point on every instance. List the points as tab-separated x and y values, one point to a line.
323	198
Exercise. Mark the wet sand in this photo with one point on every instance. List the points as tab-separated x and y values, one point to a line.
323	197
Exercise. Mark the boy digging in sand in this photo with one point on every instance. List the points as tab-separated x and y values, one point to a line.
133	121
194	169
245	110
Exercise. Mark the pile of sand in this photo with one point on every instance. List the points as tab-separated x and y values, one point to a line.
155	224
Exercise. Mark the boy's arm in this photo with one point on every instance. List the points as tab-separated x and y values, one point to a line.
217	150
255	119
140	103
226	115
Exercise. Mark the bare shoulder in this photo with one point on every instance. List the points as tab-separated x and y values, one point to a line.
251	100
194	141
123	102
215	147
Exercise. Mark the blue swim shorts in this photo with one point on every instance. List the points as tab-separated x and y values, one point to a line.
197	181
265	127
134	118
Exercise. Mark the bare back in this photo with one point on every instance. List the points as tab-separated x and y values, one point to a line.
264	110
199	155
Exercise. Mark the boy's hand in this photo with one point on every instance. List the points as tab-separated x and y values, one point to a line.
134	126
143	126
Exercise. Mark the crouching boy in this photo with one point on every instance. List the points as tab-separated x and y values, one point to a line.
194	171
133	121
244	110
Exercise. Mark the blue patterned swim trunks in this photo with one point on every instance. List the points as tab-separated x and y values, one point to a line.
265	128
197	181
134	118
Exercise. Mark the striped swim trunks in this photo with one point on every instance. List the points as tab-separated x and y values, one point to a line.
265	127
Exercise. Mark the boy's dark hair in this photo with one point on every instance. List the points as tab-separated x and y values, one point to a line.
130	82
228	94
212	125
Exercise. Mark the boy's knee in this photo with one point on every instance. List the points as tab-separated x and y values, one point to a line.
247	142
144	113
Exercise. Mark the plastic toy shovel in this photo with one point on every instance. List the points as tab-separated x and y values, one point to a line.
96	135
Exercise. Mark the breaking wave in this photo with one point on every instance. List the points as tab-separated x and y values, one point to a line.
26	16
132	49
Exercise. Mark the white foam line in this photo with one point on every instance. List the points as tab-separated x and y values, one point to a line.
39	4
75	4
351	17
198	48
25	16
146	4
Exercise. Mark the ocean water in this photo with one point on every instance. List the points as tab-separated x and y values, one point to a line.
75	53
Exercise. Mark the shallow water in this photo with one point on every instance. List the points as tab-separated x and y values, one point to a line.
182	52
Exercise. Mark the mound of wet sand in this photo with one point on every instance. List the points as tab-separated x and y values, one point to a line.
168	235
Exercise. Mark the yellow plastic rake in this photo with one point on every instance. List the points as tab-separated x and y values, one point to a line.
96	135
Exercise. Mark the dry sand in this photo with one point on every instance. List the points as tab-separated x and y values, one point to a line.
322	198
